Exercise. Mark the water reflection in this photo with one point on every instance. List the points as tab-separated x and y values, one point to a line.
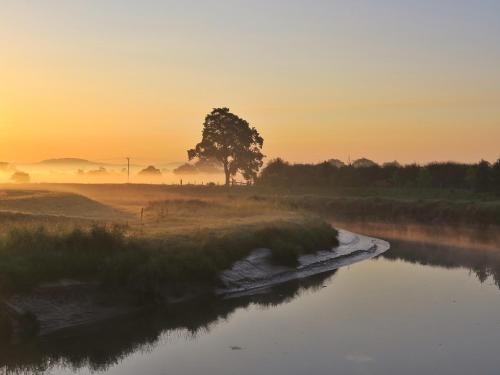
483	263
467	237
348	313
103	345
474	248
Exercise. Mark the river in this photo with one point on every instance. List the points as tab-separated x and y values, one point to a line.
431	304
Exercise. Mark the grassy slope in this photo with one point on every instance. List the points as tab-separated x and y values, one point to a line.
44	202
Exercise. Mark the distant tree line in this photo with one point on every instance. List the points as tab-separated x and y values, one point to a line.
481	177
206	166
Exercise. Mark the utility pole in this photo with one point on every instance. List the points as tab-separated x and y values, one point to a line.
128	170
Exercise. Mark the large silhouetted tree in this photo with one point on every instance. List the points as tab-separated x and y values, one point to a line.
231	141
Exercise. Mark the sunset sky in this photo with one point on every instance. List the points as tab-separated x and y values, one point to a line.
384	79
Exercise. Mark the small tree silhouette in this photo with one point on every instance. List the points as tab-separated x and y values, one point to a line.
231	141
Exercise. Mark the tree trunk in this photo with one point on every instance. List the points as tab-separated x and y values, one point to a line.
226	171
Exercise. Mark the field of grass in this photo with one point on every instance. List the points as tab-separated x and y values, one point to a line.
446	206
182	238
443	206
45	202
51	223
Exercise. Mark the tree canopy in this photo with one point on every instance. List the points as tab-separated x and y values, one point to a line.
231	141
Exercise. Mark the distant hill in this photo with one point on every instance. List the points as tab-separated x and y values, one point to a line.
68	162
42	202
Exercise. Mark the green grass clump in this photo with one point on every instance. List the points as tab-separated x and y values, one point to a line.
149	267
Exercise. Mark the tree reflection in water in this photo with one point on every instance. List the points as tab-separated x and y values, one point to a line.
474	248
484	263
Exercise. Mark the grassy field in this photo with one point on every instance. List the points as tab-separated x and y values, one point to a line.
438	206
45	202
146	239
447	206
443	206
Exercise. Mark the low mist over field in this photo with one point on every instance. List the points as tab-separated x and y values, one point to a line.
75	170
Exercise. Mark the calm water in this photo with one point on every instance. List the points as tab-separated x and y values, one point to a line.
421	308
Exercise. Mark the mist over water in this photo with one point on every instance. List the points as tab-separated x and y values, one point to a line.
100	174
471	237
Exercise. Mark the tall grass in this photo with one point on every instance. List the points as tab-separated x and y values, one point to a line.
145	266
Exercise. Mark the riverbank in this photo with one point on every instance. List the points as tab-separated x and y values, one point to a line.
173	248
51	307
168	243
257	271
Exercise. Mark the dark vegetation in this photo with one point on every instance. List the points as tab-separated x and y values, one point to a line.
480	177
5	324
436	192
149	268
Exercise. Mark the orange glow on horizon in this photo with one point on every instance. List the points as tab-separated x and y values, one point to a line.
70	91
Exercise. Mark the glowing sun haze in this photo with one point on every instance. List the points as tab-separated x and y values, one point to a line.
386	79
